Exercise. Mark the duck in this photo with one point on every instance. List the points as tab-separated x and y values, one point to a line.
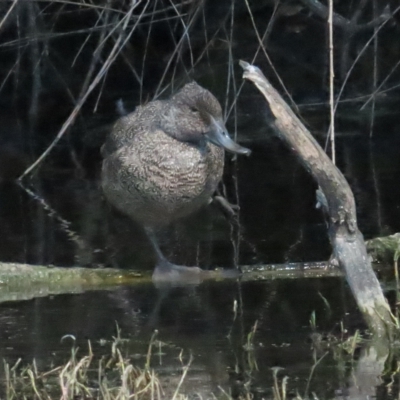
164	161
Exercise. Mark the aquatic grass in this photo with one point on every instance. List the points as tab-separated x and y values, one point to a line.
109	377
279	391
113	375
249	348
313	368
313	321
351	343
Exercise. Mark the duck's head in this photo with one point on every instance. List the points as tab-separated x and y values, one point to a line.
194	115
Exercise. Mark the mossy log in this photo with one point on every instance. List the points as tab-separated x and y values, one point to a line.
23	281
384	249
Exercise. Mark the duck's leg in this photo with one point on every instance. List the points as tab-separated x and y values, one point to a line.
165	271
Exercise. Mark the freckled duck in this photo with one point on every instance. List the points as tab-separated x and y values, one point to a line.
164	161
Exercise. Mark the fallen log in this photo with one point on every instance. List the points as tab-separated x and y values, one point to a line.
24	281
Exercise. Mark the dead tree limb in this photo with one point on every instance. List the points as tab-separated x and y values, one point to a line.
337	200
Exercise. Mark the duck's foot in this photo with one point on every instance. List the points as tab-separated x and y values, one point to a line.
167	273
230	210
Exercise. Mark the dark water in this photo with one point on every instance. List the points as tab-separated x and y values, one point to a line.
65	221
199	320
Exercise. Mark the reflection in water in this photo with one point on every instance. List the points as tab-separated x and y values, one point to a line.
200	320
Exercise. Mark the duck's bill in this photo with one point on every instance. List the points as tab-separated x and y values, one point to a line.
219	136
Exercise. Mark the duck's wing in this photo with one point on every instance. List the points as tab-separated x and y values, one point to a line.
121	132
143	120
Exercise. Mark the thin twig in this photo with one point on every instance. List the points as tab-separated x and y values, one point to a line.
70	120
366	46
349	25
176	49
374	77
8	13
331	82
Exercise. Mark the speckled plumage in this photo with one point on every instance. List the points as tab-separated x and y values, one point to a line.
158	166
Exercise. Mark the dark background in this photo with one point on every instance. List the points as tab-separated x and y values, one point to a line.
51	53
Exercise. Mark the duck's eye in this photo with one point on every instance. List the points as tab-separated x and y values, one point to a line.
193	108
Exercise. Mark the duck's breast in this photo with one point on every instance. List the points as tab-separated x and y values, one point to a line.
157	179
